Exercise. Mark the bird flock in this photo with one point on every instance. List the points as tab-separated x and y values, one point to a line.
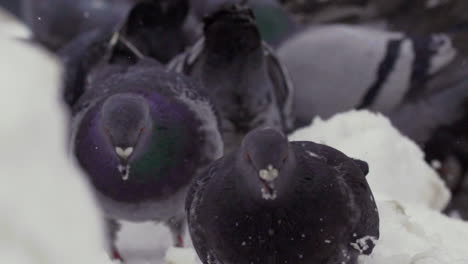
179	112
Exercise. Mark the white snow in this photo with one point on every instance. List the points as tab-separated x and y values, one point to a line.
396	165
418	235
48	215
9	26
181	256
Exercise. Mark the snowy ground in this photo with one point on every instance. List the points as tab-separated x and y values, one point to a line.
49	217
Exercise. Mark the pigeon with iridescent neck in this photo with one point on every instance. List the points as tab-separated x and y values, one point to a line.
141	134
246	83
274	201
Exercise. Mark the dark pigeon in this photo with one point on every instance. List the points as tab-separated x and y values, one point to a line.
272	201
157	28
245	81
141	134
55	23
142	35
274	22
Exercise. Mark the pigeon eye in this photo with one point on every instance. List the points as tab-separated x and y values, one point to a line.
248	157
142	129
285	158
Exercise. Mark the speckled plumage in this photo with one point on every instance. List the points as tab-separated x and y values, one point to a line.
246	83
323	206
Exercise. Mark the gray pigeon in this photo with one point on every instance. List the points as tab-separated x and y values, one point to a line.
141	134
241	74
336	68
273	201
54	23
443	102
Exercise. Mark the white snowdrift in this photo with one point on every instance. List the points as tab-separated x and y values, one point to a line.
47	213
9	26
396	164
418	235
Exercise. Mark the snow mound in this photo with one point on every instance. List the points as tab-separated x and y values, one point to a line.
10	26
418	235
181	256
48	215
397	167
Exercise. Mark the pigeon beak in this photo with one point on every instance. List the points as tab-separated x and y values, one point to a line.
269	174
124	153
267	177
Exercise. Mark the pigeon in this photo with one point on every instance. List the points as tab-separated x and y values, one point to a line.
141	35
429	16
447	151
338	67
412	17
274	22
157	28
338	11
55	23
141	134
274	201
242	76
442	103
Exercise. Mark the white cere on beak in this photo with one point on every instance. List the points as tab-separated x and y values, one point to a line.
124	153
269	174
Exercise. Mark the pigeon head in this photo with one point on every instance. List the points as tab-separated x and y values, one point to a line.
137	145
232	29
267	154
125	118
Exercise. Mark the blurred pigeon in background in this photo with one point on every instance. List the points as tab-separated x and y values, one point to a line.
54	23
241	74
157	28
141	35
336	68
274	22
